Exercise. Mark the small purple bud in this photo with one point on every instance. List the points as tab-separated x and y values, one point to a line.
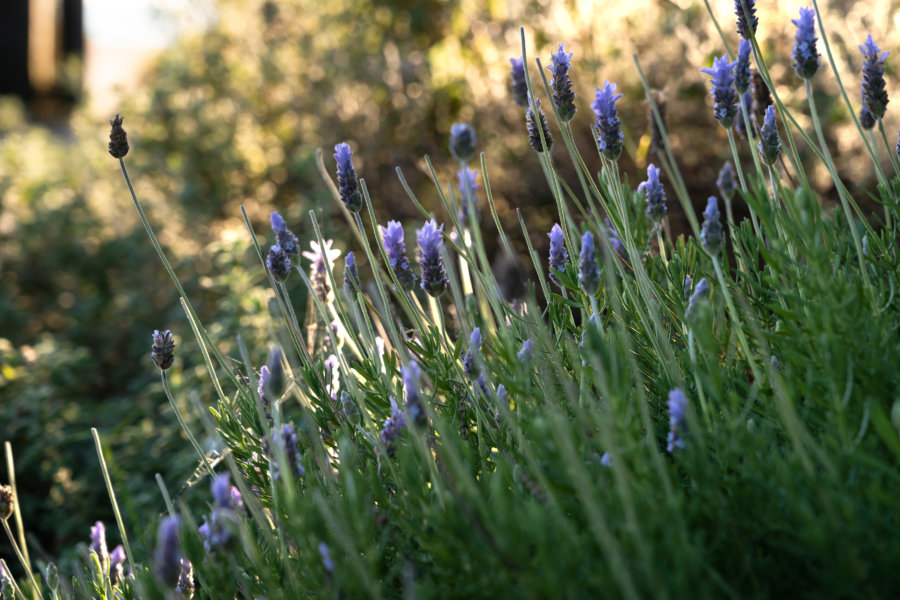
589	268
117	564
393	429
701	291
284	237
711	231
519	85
606	460
412	383
325	554
279	263
98	541
654	193
726	181
769	143
163	349
559	256
221	491
527	351
351	274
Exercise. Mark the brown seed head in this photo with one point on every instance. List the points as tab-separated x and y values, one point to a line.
6	502
118	140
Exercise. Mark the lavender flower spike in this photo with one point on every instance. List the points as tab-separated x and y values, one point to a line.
559	256
806	59
167	556
711	231
874	96
469	362
162	350
434	275
393	429
395	248
609	128
537	126
746	21
701	291
563	96
769	144
462	141
284	237
589	268
98	541
677	420
279	263
742	67
726	182
723	91
526	352
519	85
656	196
348	186
412	383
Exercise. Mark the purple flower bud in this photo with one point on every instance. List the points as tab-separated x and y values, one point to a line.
742	67
469	362
462	141
221	491
395	248
686	286
279	263
537	126
98	541
325	554
563	96
163	349
185	585
701	291
608	126
284	440
806	59
526	352
502	393
412	383
874	96
726	182
589	268
746	20
656	196
468	200
519	85
351	275
348	186
711	231
393	429
606	460
167	557
769	143
284	237
677	420
866	119
434	275
559	256
117	564
723	91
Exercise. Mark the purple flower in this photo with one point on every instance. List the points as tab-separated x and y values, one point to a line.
412	383
559	256
284	237
686	286
117	564
711	231
167	557
677	420
656	196
866	119
806	59
563	96
221	491
434	275
726	182
284	440
98	541
395	248
185	585
519	85
462	141
325	554
348	186
746	21
467	186
874	96
701	291
351	275
608	126
163	349
723	91
769	144
537	126
606	460
589	268
742	67
469	361
526	352
318	272
393	429
279	263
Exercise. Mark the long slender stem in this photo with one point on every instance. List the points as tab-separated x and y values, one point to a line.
738	327
21	557
20	527
184	425
112	499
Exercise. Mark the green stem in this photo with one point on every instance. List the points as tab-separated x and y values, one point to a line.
112	499
21	557
738	327
184	425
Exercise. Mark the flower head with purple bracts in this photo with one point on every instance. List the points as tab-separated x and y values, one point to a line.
185	586
284	440
279	263
559	256
468	183
563	96
746	20
654	193
395	248
318	271
608	126
806	59
348	185
351	275
221	491
412	384
325	555
393	429
588	267
742	67
874	96
98	541
614	241
284	238
469	362
519	85
462	141
434	275
866	119
723	91
162	350
537	126
701	291
526	352
167	557
726	182
677	420
711	231
117	564
769	143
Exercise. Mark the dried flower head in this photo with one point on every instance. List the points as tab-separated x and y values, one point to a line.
806	59
588	267
723	91
519	85
874	96
654	193
462	141
348	186
163	349
610	137
118	139
7	502
434	275
563	96
769	143
318	271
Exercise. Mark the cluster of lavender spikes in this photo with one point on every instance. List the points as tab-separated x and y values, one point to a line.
228	504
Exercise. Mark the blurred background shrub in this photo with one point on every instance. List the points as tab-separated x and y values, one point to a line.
234	116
